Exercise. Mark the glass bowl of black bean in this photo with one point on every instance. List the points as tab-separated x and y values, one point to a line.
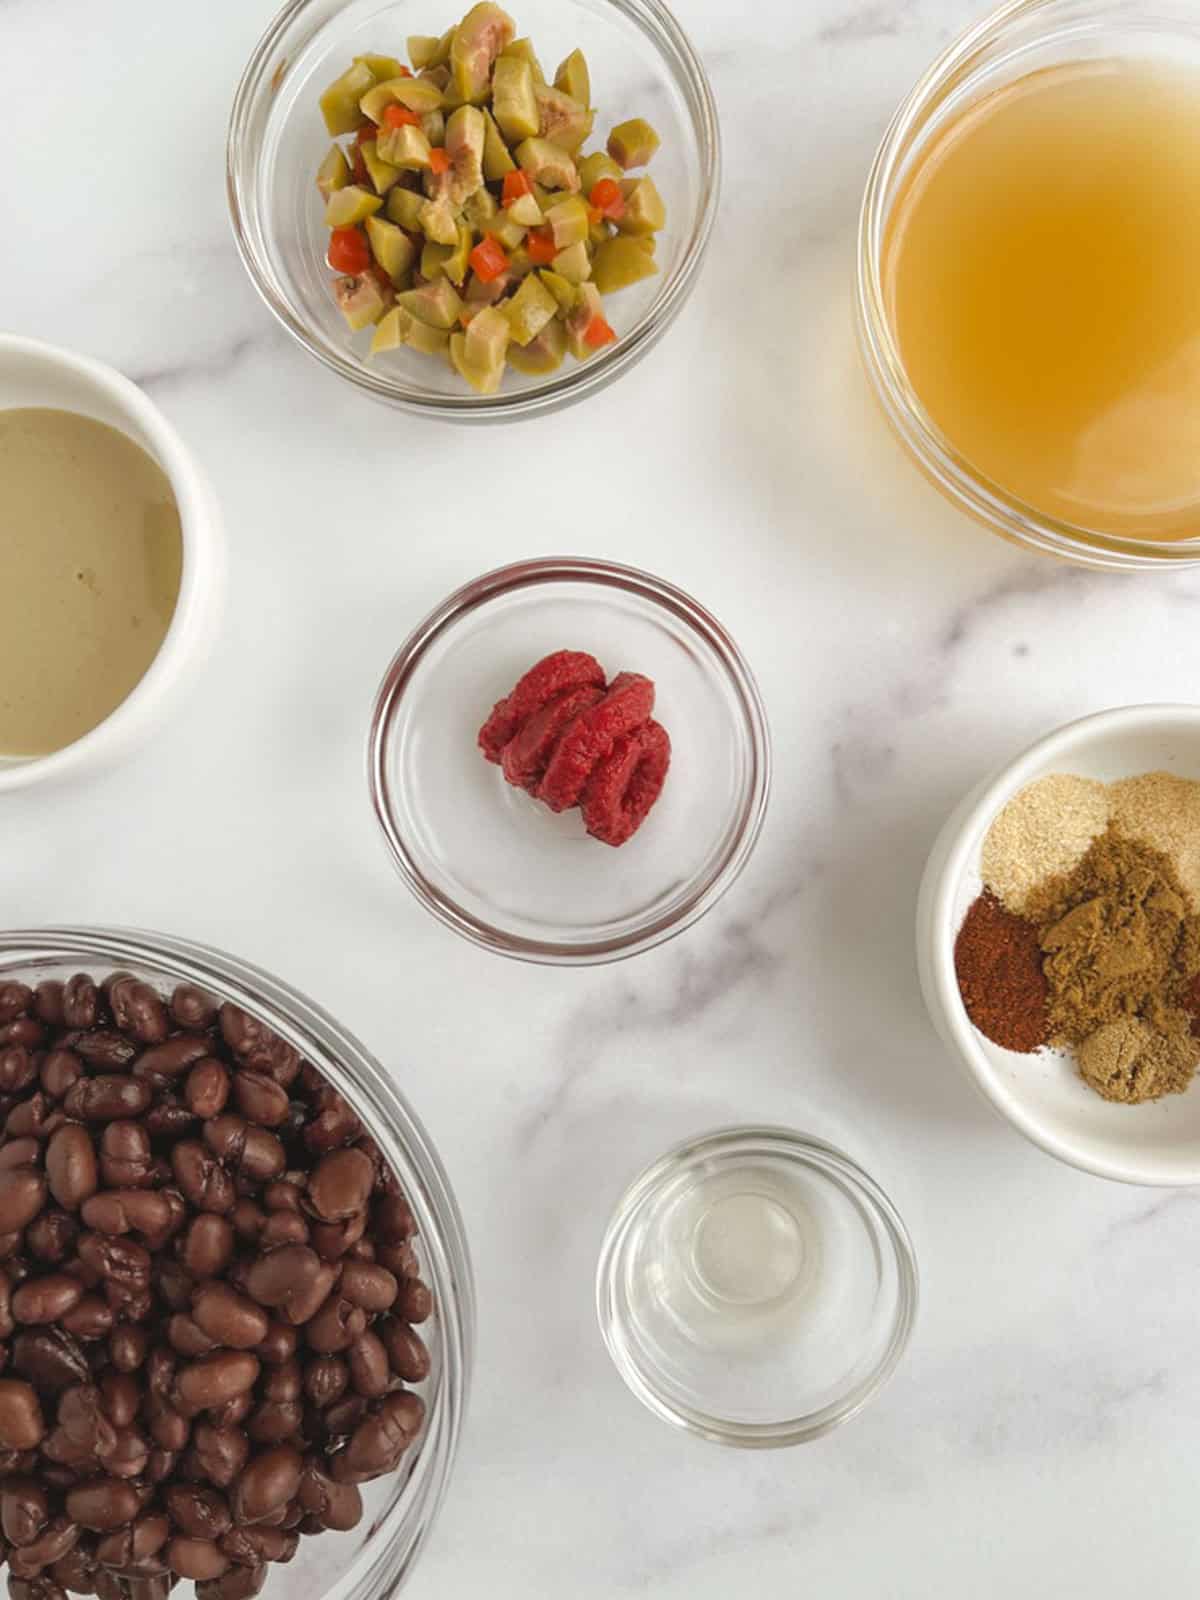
236	1305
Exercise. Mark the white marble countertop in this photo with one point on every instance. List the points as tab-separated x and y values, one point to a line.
1038	1438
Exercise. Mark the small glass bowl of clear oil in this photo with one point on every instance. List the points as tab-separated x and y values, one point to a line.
1029	277
756	1287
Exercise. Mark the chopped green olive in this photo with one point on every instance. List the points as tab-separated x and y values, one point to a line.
389	333
436	303
350	205
415	94
481	35
450	260
404	208
514	104
527	212
400	327
334	171
466	134
422	50
644	209
573	78
496	158
530	309
487	338
405	147
484	380
542	354
587	307
382	67
569	221
383	174
433	259
519	264
574	264
621	262
339	103
429	341
632	143
479	293
360	300
505	231
563	121
547	164
392	248
596	166
433	126
441	56
439	222
522	50
481	208
564	292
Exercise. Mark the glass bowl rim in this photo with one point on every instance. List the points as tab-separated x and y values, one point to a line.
819	1156
393	1545
958	480
678	58
534	573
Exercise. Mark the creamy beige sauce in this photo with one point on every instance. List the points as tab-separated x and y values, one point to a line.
91	555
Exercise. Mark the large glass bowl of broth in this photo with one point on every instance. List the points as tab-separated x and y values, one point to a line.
1029	277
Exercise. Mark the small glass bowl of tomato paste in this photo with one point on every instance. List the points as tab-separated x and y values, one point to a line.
499	867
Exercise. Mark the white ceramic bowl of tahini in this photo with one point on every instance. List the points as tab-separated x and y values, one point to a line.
37	374
1043	1095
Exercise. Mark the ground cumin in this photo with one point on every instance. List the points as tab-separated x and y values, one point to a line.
1121	943
1131	1062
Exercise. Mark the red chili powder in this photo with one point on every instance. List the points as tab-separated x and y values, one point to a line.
998	962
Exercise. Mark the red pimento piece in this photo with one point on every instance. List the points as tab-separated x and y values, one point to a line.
625	784
598	333
549	678
541	246
361	176
526	757
349	251
405	72
488	260
516	184
400	117
607	198
439	161
367	132
627	705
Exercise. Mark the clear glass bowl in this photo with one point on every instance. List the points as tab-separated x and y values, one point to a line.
641	65
1021	37
756	1287
503	870
372	1561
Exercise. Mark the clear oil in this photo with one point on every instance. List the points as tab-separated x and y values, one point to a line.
1042	273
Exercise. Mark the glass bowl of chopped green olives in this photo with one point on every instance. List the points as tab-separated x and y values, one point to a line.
479	216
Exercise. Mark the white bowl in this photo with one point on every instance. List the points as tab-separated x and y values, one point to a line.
36	374
1043	1095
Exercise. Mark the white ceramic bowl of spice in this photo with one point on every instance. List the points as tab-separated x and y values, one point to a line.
113	564
1070	884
